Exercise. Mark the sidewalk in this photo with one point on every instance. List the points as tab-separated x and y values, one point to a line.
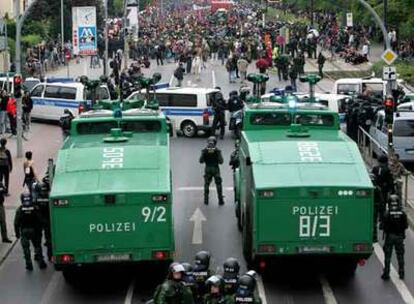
44	141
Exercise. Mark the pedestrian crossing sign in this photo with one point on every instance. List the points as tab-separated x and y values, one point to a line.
389	56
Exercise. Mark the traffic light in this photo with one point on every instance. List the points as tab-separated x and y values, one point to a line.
389	110
17	84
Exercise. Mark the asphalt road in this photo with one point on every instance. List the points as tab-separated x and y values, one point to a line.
292	283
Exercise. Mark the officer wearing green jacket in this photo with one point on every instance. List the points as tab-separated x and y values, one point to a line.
212	157
395	224
173	291
27	226
215	293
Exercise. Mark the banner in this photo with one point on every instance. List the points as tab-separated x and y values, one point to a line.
349	20
84	34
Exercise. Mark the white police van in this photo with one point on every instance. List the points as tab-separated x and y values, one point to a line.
50	99
403	135
189	109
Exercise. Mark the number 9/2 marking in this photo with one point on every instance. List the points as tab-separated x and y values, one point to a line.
154	214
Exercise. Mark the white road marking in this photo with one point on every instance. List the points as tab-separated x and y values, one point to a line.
171	80
51	288
213	78
261	290
198	218
328	293
202	188
130	293
400	285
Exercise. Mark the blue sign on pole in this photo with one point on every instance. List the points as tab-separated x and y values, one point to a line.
87	40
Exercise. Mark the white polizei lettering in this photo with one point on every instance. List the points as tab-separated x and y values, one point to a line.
92	227
99	227
295	210
112	227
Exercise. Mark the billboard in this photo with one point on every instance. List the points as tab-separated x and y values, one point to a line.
84	34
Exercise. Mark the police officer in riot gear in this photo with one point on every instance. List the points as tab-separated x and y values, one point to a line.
219	121
379	207
383	177
201	273
215	294
189	280
234	103
40	196
395	224
173	291
234	162
212	157
65	122
231	268
246	289
27	226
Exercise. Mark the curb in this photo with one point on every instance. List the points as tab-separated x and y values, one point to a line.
4	257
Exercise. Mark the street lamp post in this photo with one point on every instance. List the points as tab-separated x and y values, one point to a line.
106	40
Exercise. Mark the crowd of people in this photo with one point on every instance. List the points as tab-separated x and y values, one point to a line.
198	284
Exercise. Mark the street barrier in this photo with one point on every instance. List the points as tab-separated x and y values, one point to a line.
366	143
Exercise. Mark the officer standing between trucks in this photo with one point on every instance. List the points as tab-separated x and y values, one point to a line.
212	157
395	224
215	294
379	207
219	120
27	226
384	177
173	291
201	273
234	162
40	196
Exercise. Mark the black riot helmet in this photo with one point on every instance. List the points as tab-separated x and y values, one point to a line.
211	142
395	202
383	159
246	285
26	199
233	93
202	259
188	268
231	267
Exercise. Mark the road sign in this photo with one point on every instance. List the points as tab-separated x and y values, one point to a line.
389	56
389	73
349	20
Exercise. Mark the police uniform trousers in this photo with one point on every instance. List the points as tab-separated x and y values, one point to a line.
31	235
397	242
209	174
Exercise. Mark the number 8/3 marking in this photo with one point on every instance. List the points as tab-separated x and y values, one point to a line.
155	214
314	226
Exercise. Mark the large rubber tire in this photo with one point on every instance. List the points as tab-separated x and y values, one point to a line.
71	276
239	217
189	129
247	242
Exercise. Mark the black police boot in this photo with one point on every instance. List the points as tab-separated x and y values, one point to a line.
29	266
385	276
7	241
401	274
42	264
221	202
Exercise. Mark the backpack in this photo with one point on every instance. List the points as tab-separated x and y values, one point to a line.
4	160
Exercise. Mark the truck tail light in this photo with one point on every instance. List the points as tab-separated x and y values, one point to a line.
206	117
65	258
60	202
159	198
160	255
267	193
266	248
362	193
361	247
